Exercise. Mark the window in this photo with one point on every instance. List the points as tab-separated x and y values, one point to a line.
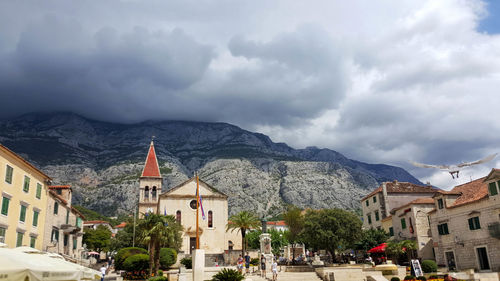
35	218
74	243
153	192
67	216
443	229
8	174
192	204
59	191
369	218
2	233
22	215
367	202
79	222
32	242
19	241
56	208
403	223
474	223
5	206
375	199
38	191
146	192
377	218
178	216
210	219
493	188
55	235
391	231
440	203
26	186
65	240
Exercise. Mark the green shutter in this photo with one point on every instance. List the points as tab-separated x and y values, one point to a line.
38	190
56	208
369	219
19	241
476	223
2	232
32	242
79	222
35	218
471	224
375	199
445	228
5	206
8	174
26	187
367	202
74	243
493	188
67	216
403	223
22	215
377	216
391	231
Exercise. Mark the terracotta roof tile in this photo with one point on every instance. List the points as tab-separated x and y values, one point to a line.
59	186
277	223
95	222
471	192
58	197
151	168
121	225
402	187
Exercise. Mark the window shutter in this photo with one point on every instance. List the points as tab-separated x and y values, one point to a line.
471	224
476	220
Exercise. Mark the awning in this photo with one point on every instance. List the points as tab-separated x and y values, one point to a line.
379	249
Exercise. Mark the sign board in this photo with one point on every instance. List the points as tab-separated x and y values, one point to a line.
415	267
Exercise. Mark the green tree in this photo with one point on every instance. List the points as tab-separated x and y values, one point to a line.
371	238
242	222
295	220
252	239
158	231
124	237
331	229
98	239
399	248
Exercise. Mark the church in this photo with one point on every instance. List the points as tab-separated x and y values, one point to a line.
180	201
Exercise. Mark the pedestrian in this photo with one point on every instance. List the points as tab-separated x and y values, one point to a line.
262	266
448	278
274	269
239	264
103	271
109	262
247	263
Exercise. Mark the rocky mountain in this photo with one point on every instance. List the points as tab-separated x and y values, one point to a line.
103	161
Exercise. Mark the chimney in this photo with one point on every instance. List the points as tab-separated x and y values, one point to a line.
384	196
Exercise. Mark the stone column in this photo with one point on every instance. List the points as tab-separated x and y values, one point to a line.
198	258
266	250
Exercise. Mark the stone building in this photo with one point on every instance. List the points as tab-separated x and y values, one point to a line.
410	222
180	201
64	224
377	205
150	183
465	225
24	196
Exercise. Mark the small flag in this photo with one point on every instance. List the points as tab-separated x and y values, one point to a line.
164	211
200	201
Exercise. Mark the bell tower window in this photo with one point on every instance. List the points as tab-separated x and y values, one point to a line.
146	192
153	193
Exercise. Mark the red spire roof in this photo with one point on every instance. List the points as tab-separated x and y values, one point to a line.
151	168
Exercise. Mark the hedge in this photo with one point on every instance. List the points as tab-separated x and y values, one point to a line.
429	266
136	262
168	257
124	253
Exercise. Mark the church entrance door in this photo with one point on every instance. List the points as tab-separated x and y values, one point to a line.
192	244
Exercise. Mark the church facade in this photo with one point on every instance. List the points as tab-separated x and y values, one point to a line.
180	201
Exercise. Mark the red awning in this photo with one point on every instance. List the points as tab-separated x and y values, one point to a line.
379	249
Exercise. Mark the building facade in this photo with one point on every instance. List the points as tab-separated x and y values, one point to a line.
465	225
24	196
64	224
410	222
180	202
377	205
150	183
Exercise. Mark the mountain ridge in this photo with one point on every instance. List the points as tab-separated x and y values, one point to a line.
100	158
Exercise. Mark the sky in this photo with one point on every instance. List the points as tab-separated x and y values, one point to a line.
379	81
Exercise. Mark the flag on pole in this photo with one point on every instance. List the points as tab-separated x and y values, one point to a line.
200	201
164	211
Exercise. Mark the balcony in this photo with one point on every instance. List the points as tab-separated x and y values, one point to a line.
494	229
71	229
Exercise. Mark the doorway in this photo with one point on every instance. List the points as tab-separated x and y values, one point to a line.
192	244
482	258
450	260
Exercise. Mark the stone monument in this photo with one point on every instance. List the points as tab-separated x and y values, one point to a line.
265	246
198	259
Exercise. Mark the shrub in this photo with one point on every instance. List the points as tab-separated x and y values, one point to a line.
410	277
124	253
429	266
395	279
168	257
422	278
160	272
254	261
158	278
433	277
227	274
187	262
136	262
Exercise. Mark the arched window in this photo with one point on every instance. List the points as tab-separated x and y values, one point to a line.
210	219
178	216
230	245
153	193
146	192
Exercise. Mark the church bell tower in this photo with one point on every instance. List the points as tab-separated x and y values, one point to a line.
149	183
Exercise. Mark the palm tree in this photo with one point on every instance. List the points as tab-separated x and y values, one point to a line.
243	221
158	231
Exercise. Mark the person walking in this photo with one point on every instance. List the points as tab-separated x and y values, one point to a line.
274	269
247	263
103	271
262	266
240	264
